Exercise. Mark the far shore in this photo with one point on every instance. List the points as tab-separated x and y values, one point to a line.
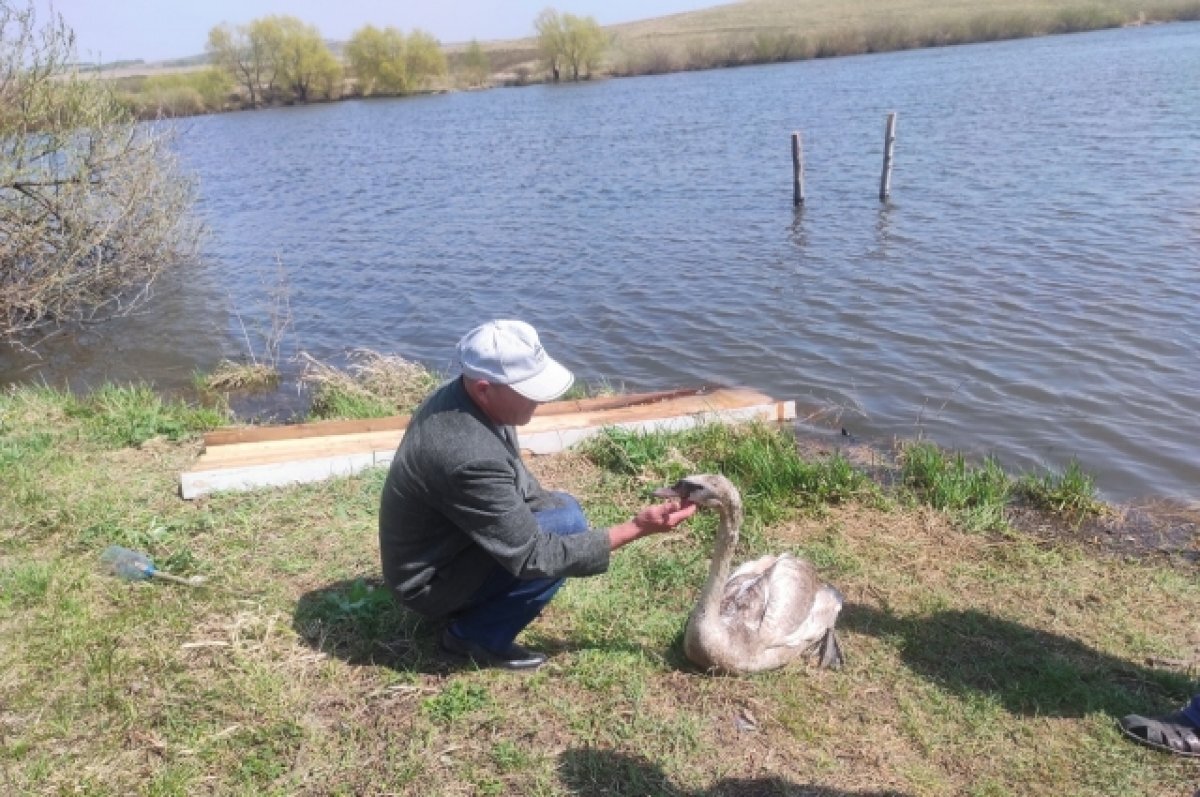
741	34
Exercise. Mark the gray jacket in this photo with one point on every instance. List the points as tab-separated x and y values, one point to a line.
458	500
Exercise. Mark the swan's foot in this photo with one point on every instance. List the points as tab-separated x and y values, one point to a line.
831	652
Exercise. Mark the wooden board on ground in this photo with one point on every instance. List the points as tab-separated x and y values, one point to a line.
244	458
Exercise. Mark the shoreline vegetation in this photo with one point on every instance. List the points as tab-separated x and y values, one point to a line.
984	658
568	47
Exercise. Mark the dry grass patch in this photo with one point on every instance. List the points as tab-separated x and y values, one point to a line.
229	375
372	385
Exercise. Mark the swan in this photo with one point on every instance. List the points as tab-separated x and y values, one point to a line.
768	612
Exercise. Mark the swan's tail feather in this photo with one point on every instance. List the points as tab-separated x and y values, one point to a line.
831	651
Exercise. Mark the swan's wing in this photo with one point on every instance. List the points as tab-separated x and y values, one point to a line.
826	605
770	597
794	587
747	594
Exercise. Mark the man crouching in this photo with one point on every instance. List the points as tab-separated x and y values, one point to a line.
466	533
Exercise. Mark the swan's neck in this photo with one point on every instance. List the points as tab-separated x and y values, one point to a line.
723	549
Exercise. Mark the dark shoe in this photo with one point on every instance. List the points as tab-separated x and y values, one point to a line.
514	657
1174	733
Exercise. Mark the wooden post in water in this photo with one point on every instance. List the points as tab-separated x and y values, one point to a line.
889	142
797	170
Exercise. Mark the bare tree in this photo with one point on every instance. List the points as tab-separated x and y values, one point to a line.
93	207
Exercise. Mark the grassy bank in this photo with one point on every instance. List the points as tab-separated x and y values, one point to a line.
987	662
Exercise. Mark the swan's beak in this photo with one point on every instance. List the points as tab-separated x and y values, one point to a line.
680	491
686	492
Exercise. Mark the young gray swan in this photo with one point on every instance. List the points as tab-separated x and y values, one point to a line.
768	612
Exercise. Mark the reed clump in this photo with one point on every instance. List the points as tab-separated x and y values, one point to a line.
1071	493
233	376
372	385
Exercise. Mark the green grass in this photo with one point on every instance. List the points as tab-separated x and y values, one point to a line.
1072	492
977	663
372	385
129	416
978	495
761	459
330	403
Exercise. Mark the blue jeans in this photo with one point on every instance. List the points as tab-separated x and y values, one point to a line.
504	604
1193	711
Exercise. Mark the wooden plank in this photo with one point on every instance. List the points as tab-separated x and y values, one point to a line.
256	434
684	405
551	441
242	454
246	465
611	402
269	451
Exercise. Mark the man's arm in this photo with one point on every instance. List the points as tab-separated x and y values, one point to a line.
486	506
654	519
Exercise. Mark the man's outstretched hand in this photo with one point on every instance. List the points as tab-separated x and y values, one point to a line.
653	519
660	518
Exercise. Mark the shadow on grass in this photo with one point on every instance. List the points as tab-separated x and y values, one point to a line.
357	621
1031	672
592	773
671	657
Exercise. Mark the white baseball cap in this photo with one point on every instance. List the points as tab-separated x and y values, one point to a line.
507	352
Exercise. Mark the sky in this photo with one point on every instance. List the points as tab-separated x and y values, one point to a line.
155	30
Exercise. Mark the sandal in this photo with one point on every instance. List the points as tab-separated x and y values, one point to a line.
1173	733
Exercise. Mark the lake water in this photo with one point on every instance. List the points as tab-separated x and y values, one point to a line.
1029	291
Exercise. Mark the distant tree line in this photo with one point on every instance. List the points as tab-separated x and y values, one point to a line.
277	59
281	59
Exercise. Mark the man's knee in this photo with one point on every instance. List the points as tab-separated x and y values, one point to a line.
565	517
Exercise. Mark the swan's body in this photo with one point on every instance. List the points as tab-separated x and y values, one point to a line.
765	614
